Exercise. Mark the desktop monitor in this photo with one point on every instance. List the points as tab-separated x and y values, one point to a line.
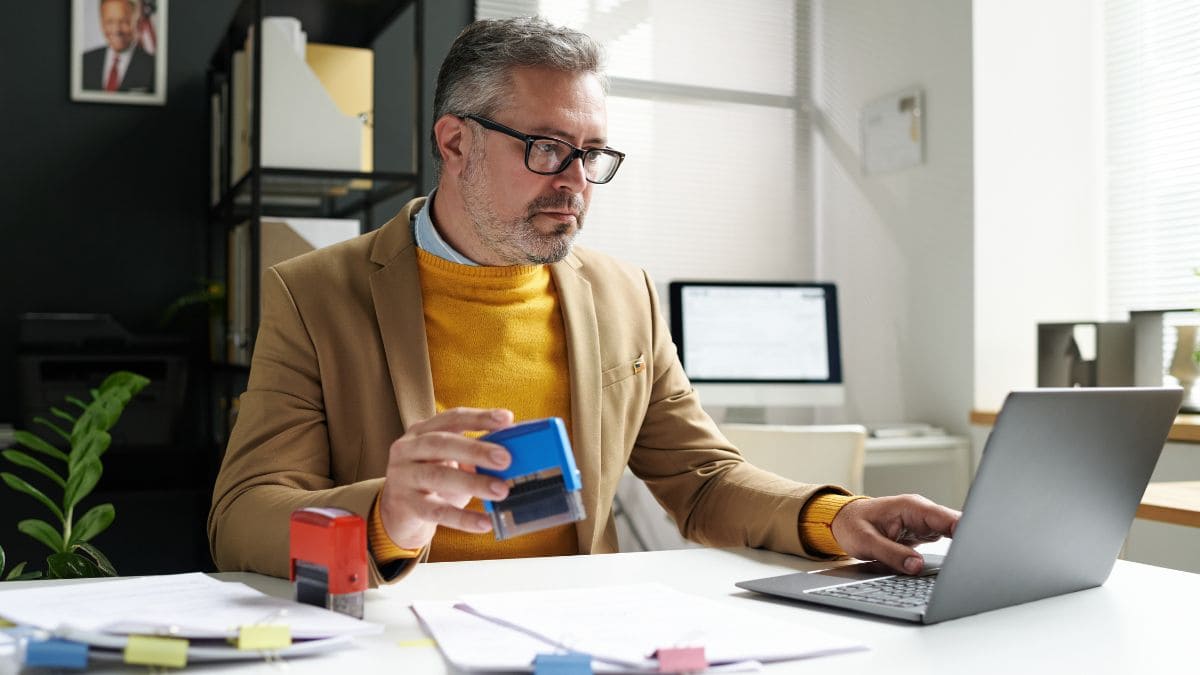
758	344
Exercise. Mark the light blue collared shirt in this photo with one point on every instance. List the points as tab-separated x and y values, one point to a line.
430	240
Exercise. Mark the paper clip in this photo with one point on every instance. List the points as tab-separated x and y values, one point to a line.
56	653
574	663
147	650
681	659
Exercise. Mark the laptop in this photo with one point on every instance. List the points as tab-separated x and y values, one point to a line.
1054	496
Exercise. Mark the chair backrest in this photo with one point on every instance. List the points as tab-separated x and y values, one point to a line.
811	454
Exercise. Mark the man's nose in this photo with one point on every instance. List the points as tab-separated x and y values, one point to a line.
572	178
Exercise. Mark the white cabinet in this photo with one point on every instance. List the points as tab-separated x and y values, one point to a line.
938	467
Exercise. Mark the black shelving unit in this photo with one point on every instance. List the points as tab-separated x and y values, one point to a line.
292	192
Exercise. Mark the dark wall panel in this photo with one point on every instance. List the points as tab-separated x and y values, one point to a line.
103	209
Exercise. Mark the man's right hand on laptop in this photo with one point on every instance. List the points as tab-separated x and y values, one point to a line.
887	528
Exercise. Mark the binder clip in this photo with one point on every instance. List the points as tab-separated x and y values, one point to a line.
56	653
328	551
265	637
574	663
543	482
151	650
681	659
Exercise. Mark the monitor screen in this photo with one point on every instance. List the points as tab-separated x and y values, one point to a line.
757	332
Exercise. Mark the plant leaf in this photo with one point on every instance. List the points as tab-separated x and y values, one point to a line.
71	566
117	390
34	442
59	412
132	383
21	459
81	482
101	561
91	445
78	403
95	521
19	484
43	532
53	427
1	560
18	573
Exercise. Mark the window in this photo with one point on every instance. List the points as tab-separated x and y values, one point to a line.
1153	154
705	100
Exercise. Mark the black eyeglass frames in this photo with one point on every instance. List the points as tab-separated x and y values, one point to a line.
547	156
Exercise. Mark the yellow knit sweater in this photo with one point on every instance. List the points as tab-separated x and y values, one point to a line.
496	340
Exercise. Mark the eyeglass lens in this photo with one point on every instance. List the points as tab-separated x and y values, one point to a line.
549	156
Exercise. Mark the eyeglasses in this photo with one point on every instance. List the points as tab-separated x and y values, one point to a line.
547	156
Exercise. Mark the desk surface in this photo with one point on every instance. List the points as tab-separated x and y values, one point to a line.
1141	621
1172	502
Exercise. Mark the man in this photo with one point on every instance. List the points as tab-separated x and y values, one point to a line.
123	65
378	357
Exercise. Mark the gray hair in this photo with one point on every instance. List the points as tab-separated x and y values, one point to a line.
475	77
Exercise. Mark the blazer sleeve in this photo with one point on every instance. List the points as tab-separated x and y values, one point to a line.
279	454
714	495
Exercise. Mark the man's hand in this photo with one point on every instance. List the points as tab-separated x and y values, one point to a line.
431	475
886	529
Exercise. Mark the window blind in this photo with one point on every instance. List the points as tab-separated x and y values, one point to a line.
1152	87
705	100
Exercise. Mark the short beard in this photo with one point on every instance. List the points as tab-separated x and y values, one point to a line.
517	241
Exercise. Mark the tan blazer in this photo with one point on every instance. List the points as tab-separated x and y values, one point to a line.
341	368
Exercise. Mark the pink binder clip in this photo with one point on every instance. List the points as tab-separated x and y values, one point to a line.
681	659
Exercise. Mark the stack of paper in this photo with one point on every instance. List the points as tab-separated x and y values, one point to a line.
193	609
621	627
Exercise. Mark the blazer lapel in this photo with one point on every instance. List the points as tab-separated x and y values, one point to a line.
396	294
583	363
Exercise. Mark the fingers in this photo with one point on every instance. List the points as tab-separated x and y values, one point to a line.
440	438
458	420
898	556
445	446
452	482
886	528
429	479
926	519
438	511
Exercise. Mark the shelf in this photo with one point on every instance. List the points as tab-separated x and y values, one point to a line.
353	23
300	192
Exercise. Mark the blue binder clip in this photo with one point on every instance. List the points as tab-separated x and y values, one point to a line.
543	482
562	664
56	653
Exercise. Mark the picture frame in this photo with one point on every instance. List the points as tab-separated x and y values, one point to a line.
136	72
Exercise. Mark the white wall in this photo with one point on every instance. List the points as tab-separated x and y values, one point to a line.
900	245
1039	232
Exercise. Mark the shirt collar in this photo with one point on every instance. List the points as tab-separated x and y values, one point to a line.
429	239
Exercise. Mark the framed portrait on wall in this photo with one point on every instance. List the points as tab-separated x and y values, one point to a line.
119	51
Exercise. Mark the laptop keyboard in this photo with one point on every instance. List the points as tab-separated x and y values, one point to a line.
891	591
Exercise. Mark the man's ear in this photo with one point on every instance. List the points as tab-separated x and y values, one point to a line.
453	142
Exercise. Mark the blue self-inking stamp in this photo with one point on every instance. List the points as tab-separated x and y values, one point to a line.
543	482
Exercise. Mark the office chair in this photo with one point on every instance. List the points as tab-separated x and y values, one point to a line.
811	454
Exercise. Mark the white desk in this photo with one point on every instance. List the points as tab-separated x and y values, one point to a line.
1141	621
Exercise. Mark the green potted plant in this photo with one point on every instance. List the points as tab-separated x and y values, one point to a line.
72	473
211	295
